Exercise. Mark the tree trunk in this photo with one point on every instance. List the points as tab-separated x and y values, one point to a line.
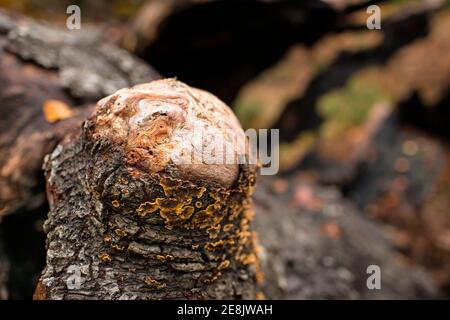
127	222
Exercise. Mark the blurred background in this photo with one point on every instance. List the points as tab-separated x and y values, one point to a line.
364	119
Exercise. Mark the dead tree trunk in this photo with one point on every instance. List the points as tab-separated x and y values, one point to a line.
127	222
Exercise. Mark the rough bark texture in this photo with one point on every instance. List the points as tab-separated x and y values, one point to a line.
138	225
40	63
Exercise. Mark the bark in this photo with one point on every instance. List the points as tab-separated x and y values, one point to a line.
138	225
37	63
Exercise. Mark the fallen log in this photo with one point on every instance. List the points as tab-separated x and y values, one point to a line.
40	64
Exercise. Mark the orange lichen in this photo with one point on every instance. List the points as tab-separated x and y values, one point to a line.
213	231
146	208
115	203
224	264
200	192
247	259
120	232
154	283
117	247
198	204
212	246
165	258
228	227
105	257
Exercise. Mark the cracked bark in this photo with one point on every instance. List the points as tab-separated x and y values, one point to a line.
135	224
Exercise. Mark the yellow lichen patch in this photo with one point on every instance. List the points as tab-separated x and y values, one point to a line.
198	204
169	185
167	257
224	264
213	231
120	232
228	227
105	257
230	242
117	247
56	110
154	283
186	212
168	203
247	259
212	246
115	203
200	192
194	246
146	208
176	215
220	197
204	218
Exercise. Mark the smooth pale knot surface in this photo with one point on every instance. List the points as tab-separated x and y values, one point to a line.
166	125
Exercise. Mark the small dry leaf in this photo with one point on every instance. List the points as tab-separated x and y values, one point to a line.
56	110
331	230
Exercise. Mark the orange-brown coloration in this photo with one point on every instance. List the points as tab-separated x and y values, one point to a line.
150	121
154	283
198	204
115	203
153	120
56	110
120	232
146	208
117	247
164	258
224	264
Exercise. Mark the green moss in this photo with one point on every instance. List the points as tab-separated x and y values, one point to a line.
351	104
247	111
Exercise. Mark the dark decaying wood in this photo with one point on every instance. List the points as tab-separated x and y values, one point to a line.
135	224
37	63
318	245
